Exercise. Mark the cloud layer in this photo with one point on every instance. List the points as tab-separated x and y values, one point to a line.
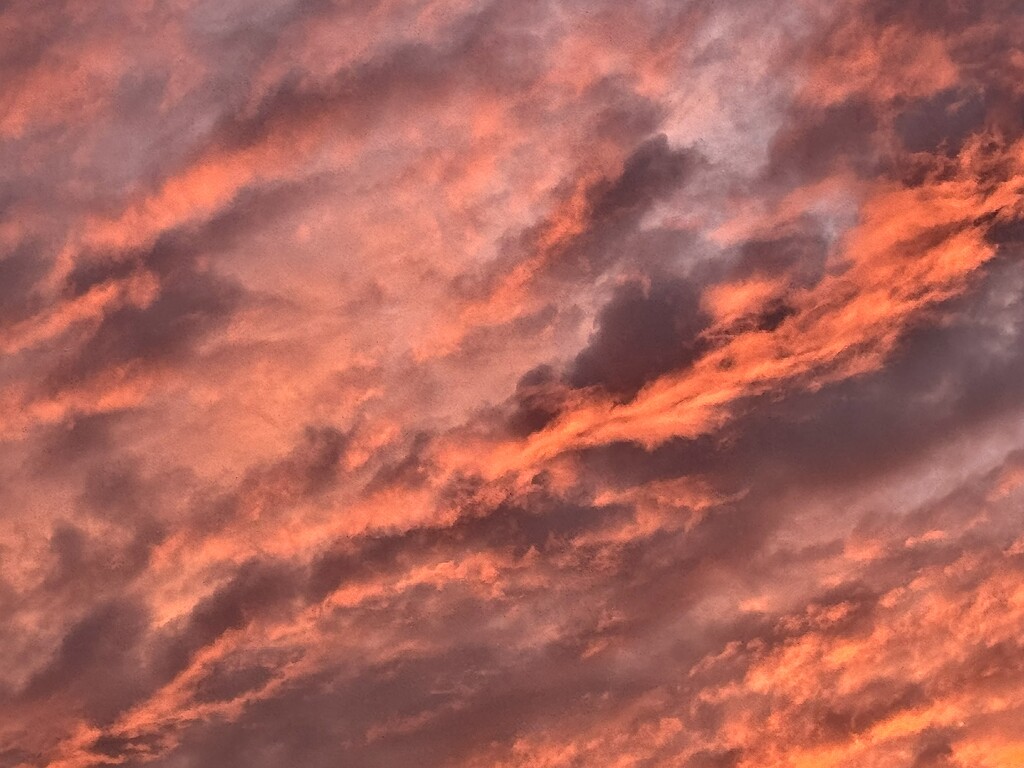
511	384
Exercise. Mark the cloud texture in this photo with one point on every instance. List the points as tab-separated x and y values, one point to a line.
511	384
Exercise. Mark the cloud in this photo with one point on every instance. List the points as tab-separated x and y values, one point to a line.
641	335
517	384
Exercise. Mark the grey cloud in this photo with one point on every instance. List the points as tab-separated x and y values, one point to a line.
641	334
816	142
97	662
652	172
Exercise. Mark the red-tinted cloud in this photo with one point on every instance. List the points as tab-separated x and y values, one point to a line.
511	384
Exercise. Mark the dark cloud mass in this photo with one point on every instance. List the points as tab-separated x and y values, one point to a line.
641	334
511	384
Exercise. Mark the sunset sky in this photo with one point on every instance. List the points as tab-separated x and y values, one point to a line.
512	383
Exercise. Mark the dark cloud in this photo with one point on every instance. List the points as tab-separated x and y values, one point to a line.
96	664
225	683
624	113
815	142
725	759
651	173
479	48
799	255
942	122
257	590
189	304
20	272
935	752
641	333
537	401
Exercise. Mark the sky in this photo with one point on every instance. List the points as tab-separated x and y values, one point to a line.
511	383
